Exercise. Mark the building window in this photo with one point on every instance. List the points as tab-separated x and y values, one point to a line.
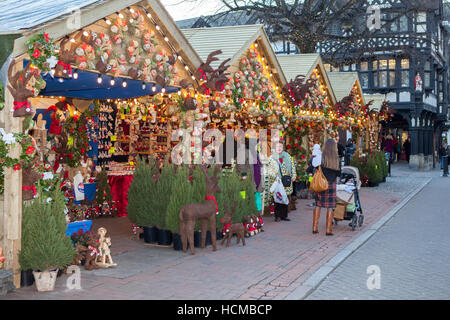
421	22
427	75
404	73
384	73
364	66
403	22
364	78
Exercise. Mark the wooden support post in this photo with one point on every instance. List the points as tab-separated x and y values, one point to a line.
12	199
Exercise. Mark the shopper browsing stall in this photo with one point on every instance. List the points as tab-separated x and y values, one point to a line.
281	165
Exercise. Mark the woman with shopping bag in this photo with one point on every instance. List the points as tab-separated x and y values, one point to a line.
281	166
329	166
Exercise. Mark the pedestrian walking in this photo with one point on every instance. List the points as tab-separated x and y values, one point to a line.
389	150
443	153
407	148
327	199
350	149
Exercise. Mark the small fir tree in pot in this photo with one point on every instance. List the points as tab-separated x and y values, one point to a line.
181	194
141	195
45	247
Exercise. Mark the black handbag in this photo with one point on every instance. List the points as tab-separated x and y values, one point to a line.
285	180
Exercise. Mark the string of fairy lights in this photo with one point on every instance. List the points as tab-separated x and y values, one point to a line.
157	27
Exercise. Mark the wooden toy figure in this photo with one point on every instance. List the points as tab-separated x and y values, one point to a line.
104	251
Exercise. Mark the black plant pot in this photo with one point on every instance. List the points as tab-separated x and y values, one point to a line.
197	239
151	234
164	237
26	278
219	235
373	184
208	238
177	244
59	273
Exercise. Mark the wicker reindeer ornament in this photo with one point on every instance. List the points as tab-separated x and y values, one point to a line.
205	211
20	92
229	228
213	80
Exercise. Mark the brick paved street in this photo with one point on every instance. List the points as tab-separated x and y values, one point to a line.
411	251
271	266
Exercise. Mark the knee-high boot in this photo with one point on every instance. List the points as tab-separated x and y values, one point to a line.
330	215
316	216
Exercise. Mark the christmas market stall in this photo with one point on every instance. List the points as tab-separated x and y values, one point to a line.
252	98
312	117
87	94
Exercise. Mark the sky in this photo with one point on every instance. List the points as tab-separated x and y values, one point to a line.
185	9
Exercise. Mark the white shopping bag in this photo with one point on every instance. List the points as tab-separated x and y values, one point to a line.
279	194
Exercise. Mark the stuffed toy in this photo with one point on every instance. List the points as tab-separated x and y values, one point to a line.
20	92
91	252
29	178
66	59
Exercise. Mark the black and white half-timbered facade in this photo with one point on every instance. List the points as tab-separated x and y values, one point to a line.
406	60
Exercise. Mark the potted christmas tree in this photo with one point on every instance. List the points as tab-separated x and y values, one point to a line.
142	198
164	190
181	195
45	246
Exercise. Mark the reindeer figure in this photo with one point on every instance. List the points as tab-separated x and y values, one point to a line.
214	79
205	211
219	78
230	228
64	69
19	91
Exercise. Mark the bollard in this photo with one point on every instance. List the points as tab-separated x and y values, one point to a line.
445	166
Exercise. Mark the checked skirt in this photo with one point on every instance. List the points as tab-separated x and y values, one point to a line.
327	198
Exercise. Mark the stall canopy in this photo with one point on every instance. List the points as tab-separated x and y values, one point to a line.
305	65
343	84
235	41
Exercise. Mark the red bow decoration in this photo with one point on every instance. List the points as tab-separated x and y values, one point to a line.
215	202
19	105
31	188
226	228
66	66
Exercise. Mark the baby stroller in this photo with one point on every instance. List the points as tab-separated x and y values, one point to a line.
348	198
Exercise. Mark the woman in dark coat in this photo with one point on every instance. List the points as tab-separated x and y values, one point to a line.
327	198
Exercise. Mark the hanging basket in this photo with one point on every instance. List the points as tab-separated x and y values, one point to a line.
45	281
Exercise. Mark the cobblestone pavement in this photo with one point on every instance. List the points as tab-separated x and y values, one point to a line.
272	265
411	251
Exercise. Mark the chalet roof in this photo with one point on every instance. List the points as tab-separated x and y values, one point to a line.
304	64
343	82
377	99
234	41
27	14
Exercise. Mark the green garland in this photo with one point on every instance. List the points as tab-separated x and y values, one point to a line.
40	48
24	160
